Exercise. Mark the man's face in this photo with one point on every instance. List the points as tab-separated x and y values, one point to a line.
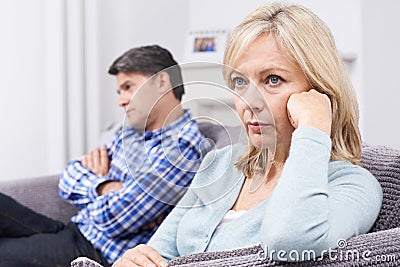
138	94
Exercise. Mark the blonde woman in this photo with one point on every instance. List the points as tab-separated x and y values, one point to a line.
303	138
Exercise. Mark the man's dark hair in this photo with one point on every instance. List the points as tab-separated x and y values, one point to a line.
149	60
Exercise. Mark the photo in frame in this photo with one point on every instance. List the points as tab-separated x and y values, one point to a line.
206	45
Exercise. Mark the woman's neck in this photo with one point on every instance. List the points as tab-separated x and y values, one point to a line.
279	155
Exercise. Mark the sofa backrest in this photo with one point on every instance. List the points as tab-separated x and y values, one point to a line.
222	135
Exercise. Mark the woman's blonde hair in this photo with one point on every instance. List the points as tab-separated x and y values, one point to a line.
310	42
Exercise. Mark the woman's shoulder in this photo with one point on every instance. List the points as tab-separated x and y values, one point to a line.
219	166
344	172
337	167
223	157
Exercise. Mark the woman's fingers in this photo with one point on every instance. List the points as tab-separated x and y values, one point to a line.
153	255
311	109
141	255
122	262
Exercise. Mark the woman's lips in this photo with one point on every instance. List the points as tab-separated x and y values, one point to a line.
257	127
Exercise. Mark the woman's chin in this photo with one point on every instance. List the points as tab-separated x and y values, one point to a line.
261	141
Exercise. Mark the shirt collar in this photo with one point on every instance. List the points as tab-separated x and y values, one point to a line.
147	135
173	126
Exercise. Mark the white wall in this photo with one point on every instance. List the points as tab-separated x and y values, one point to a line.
33	88
22	90
381	57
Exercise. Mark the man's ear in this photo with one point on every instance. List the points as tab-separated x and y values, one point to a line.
163	82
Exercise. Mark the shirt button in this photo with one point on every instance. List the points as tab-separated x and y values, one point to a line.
206	240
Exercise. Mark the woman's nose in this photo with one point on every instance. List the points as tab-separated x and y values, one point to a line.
254	99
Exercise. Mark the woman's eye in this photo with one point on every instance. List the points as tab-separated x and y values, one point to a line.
238	82
274	79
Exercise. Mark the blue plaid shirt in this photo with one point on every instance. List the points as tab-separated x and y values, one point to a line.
155	168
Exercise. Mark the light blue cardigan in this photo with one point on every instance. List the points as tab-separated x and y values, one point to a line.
315	203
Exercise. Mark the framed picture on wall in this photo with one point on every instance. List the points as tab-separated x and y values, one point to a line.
206	45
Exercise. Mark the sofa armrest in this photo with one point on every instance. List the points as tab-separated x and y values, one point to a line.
380	248
41	195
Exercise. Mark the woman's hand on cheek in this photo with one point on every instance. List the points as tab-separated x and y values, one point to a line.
141	255
312	109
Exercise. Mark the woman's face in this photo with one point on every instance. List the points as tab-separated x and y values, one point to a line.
265	77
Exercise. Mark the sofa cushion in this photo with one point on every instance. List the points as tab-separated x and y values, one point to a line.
41	195
384	163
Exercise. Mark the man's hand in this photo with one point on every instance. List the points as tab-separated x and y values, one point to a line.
97	161
141	255
109	186
311	109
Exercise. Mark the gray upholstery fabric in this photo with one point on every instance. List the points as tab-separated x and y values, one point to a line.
384	163
222	135
41	195
84	262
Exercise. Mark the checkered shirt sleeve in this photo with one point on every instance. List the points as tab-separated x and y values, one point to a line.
155	168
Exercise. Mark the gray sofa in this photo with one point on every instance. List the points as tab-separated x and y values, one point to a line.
382	243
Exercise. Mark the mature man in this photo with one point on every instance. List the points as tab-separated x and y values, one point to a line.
123	189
